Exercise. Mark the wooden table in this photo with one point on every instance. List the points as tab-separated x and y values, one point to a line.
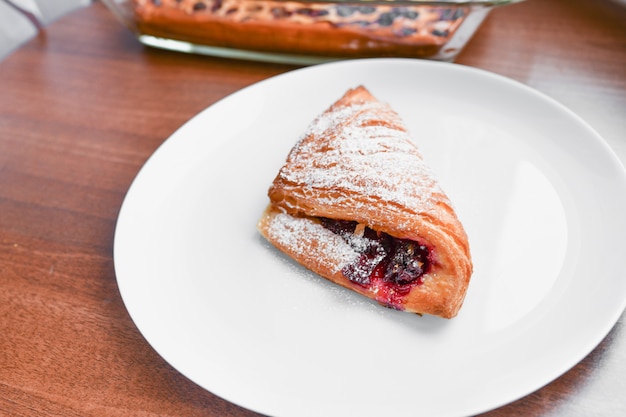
84	105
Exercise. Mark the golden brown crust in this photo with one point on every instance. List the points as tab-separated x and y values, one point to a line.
357	162
316	29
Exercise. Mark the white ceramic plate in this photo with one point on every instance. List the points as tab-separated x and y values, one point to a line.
541	195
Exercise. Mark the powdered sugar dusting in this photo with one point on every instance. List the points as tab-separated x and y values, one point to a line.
305	236
365	149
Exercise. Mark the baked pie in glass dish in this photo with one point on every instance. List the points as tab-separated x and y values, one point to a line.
306	32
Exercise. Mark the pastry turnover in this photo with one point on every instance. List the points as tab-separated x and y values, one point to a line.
356	204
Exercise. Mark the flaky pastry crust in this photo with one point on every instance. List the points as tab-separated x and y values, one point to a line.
357	162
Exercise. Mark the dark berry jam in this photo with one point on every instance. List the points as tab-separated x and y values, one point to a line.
393	265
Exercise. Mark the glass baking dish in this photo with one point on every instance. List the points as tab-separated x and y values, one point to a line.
306	32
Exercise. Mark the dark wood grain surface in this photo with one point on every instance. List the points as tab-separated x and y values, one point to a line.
84	105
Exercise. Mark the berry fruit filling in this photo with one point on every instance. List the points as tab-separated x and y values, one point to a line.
393	265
